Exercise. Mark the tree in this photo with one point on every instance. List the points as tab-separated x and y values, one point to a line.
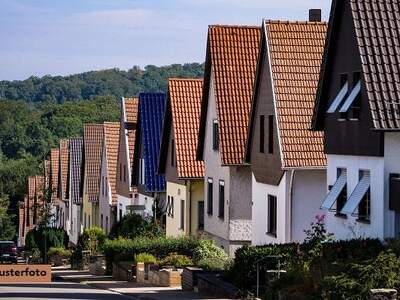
7	229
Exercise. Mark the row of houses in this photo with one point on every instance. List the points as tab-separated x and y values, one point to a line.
293	119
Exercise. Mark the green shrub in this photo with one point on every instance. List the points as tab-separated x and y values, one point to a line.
209	256
176	260
60	251
123	249
132	226
44	238
92	239
145	258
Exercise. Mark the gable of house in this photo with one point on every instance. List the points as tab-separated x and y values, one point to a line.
76	151
54	166
128	122
350	74
181	126
151	115
93	135
63	169
231	61
110	146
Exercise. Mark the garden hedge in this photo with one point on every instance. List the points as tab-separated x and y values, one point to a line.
161	247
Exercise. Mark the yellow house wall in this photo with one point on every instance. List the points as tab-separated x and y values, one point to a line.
193	191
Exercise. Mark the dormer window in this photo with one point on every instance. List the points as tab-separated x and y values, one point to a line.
351	107
344	88
347	101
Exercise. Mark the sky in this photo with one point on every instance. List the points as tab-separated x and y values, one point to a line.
61	37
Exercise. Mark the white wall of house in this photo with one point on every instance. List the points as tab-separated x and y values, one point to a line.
260	192
75	223
148	202
235	229
392	166
349	228
214	227
297	205
105	199
123	203
309	187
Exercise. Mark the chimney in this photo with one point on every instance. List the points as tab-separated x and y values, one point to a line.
314	15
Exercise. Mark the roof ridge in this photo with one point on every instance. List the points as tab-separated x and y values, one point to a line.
267	21
232	26
184	79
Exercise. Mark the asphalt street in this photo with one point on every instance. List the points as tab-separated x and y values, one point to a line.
56	290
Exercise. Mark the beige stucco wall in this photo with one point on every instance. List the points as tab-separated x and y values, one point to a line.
178	192
191	194
86	211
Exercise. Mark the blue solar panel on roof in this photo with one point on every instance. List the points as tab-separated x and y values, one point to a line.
151	110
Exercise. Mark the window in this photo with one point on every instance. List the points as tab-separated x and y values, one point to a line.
172	207
394	192
120	172
106	225
101	221
221	208
84	221
200	215
172	153
89	221
364	208
342	197
210	196
182	217
343	90
262	133
272	215
142	179
120	214
270	134
354	113
124	173
215	141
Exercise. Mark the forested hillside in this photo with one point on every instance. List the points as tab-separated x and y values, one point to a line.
58	89
37	112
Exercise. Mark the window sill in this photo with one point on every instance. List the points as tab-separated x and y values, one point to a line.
354	119
364	221
339	215
271	234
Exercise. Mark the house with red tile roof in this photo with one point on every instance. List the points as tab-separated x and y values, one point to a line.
126	191
30	211
108	176
357	108
53	185
183	173
287	159
93	135
230	69
150	184
62	184
75	188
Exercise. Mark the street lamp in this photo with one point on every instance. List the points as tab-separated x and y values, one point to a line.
278	271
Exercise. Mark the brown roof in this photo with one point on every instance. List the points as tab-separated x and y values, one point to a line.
111	138
378	34
131	114
295	50
232	53
64	160
54	165
93	140
185	96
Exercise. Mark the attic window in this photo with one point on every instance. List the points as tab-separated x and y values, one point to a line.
215	141
344	88
351	107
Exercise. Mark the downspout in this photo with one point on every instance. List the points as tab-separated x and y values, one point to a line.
292	176
190	207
